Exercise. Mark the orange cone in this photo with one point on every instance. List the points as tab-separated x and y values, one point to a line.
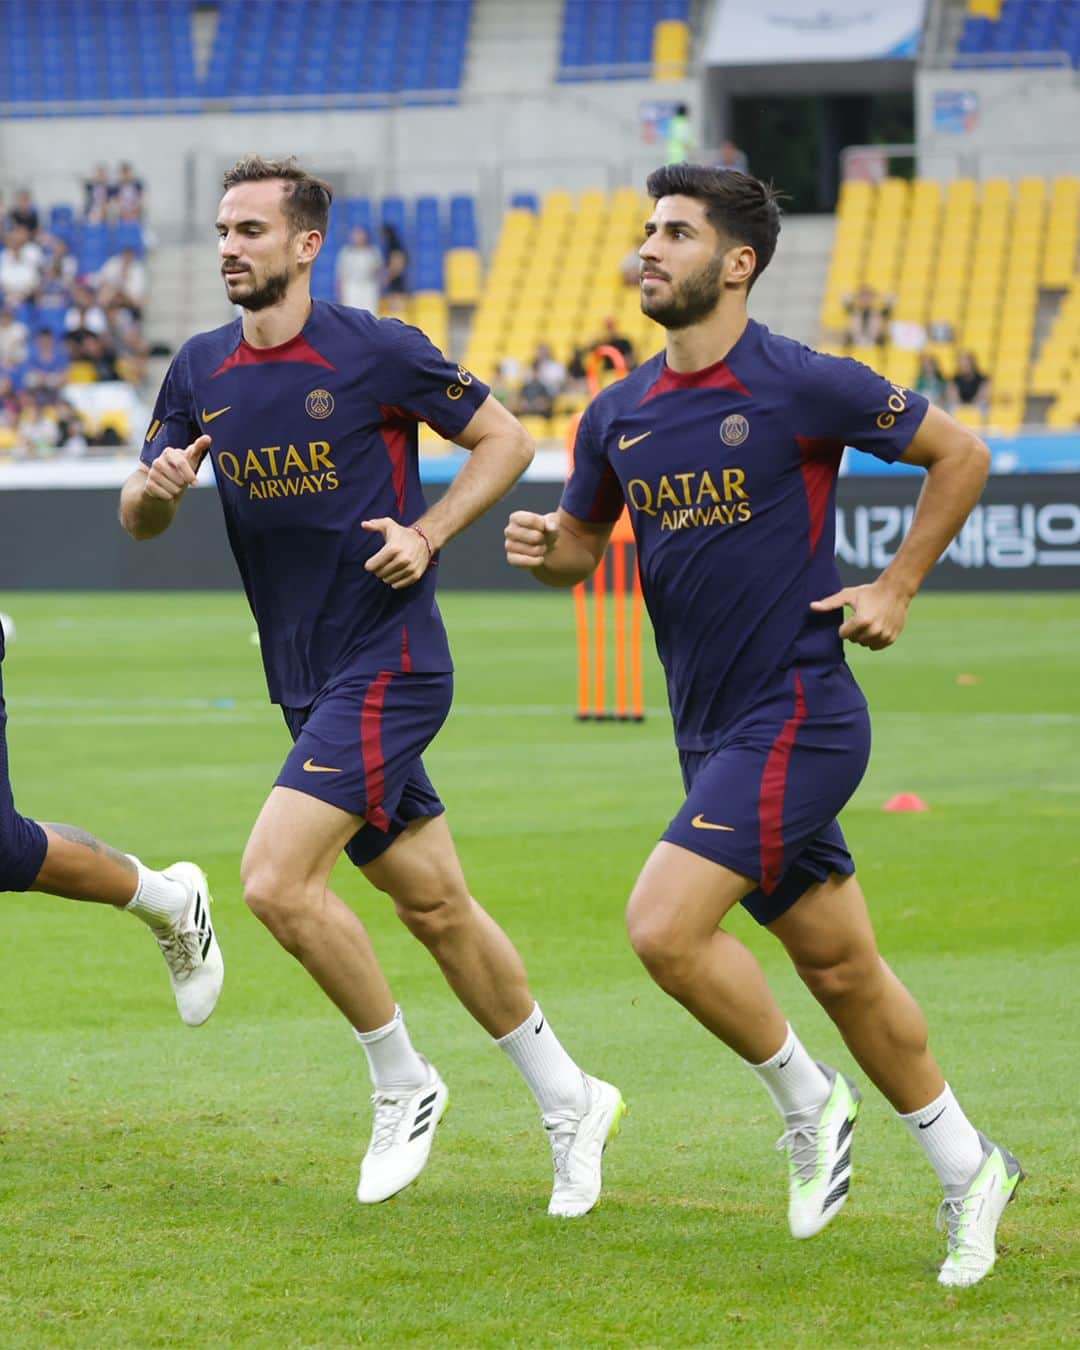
906	801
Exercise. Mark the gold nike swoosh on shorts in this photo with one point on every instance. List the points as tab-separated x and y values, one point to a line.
625	442
311	767
209	417
700	823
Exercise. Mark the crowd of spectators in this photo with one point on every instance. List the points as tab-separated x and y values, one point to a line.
547	385
63	323
364	275
871	324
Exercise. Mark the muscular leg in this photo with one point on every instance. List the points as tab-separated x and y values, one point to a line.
80	867
289	856
421	873
673	919
830	939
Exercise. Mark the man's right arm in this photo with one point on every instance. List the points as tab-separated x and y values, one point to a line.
559	549
151	494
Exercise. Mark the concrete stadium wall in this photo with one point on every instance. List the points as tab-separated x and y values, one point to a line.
1020	122
1024	535
575	136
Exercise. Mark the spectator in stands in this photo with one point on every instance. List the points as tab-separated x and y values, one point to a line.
59	260
731	157
20	265
122	280
125	341
680	141
126	195
14	340
930	381
969	384
357	272
97	190
84	315
49	365
611	337
98	353
502	385
868	318
395	270
534	399
23	212
551	373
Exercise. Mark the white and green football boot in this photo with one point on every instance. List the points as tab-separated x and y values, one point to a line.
970	1213
818	1147
577	1148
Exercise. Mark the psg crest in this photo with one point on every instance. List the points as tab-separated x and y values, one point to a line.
320	403
734	429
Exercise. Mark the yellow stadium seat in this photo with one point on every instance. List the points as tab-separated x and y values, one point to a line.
539	428
462	276
670	50
985	9
969	415
1062	416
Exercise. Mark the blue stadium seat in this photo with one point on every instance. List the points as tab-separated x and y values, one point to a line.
462	223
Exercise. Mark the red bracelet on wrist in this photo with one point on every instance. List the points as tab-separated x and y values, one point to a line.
423	536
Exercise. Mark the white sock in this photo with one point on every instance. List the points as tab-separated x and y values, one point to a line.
158	900
948	1138
553	1078
793	1079
393	1063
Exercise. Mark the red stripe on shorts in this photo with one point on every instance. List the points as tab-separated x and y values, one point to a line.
771	799
372	749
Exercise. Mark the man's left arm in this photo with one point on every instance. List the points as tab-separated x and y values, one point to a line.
501	450
957	463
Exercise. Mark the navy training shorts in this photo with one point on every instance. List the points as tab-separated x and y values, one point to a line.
358	747
764	802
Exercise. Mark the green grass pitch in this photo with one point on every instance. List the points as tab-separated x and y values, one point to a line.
167	1187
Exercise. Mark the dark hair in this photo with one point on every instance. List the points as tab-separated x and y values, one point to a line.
306	199
737	205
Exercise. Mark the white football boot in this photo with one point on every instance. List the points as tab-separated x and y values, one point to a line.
402	1133
190	948
818	1147
970	1213
577	1148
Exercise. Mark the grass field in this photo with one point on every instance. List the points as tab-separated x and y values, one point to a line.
162	1186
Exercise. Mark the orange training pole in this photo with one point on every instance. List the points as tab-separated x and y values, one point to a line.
637	605
599	664
618	587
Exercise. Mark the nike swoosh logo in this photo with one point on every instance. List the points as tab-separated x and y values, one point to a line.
787	1061
625	442
209	417
539	1027
700	823
311	767
925	1125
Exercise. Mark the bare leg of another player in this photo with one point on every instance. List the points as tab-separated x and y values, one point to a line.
292	849
830	939
65	861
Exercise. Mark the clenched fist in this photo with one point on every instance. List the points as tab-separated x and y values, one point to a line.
530	538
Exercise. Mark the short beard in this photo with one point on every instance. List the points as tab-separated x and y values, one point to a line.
269	293
693	300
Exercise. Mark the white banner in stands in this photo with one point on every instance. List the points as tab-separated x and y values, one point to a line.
770	32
